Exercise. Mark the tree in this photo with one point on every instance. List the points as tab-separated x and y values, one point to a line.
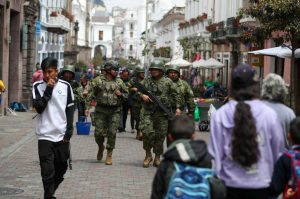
97	60
280	20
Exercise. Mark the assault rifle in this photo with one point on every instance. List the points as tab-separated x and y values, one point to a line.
152	97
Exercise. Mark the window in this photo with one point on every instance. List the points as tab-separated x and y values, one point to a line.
131	34
131	15
101	35
130	47
131	26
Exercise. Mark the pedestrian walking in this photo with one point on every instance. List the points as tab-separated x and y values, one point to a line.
287	168
109	93
126	105
186	95
154	123
54	101
81	94
2	90
246	139
136	102
184	150
273	94
38	74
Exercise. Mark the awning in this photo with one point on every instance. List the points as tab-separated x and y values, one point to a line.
281	51
179	62
198	63
212	64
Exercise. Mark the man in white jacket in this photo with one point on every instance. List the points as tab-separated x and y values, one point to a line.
54	101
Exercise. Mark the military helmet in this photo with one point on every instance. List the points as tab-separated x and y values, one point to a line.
174	68
139	69
97	72
70	68
157	64
111	65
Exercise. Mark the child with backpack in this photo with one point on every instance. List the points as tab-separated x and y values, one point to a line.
186	166
286	175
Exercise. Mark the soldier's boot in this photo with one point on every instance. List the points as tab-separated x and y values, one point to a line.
100	152
156	162
148	159
108	160
141	136
138	135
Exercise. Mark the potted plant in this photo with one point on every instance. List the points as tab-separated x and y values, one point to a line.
54	14
193	21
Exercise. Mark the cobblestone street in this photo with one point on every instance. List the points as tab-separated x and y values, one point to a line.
19	165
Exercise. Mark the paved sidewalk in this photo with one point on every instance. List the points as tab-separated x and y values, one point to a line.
89	178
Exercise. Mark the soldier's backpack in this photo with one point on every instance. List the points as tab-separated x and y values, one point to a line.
189	182
294	182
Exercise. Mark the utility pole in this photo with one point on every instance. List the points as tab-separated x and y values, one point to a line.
146	40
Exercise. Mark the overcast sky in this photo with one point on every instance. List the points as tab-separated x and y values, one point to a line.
122	3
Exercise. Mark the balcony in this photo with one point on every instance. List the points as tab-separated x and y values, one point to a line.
219	36
233	32
58	24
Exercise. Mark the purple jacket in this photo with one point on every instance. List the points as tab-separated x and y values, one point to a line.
271	146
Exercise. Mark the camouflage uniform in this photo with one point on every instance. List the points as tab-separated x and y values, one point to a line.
154	123
186	94
107	110
81	94
136	104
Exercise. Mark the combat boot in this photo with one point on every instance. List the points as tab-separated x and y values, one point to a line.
156	162
141	136
138	135
108	160
100	152
148	159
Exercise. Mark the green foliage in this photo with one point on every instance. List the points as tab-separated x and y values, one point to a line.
97	60
276	16
81	65
123	62
146	50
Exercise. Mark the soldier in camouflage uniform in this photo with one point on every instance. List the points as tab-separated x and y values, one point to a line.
154	123
109	92
68	74
136	101
186	94
81	94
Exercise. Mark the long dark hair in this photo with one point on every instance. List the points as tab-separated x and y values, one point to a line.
245	149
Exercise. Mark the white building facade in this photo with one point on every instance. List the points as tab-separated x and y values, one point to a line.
156	11
54	23
102	32
82	9
167	44
129	25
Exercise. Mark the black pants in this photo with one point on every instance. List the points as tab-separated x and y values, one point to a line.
237	193
53	161
81	109
125	108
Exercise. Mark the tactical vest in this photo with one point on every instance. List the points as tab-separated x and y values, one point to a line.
106	96
182	91
160	90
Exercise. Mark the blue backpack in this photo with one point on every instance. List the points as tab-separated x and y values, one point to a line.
189	182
